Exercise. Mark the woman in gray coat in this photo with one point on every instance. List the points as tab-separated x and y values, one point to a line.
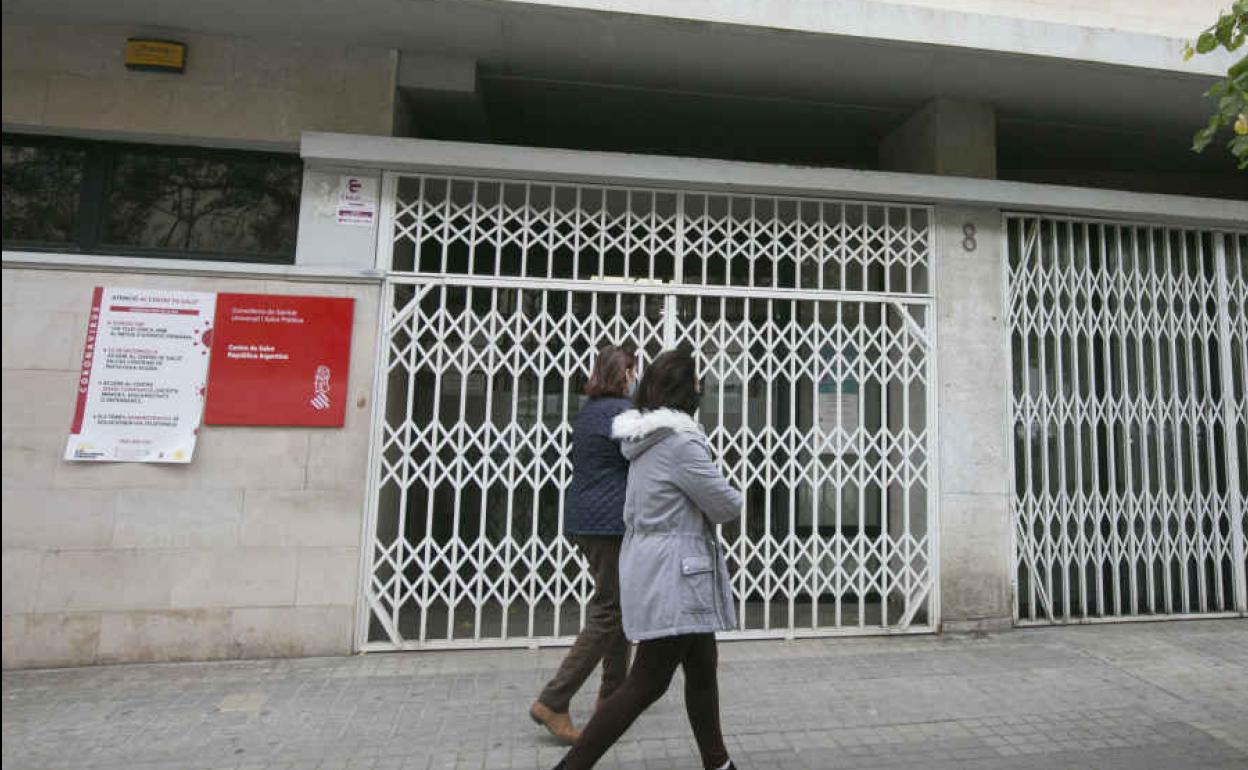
674	590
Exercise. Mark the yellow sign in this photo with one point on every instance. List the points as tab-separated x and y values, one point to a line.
155	55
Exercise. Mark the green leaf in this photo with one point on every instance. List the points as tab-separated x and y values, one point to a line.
1203	137
1230	31
1239	148
1229	107
1225	29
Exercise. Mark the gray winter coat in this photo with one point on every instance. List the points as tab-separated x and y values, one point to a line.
673	578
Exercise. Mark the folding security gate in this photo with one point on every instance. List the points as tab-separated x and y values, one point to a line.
811	321
1130	416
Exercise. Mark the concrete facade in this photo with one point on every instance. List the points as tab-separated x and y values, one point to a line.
252	550
944	137
976	566
322	242
951	138
1148	34
65	78
1154	17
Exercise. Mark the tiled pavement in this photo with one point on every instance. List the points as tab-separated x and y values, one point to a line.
1145	695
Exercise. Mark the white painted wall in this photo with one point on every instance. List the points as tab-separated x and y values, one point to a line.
1147	34
73	78
322	241
250	551
1169	18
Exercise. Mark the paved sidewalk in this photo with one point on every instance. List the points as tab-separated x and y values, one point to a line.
1146	695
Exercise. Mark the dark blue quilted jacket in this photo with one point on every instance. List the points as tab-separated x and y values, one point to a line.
595	501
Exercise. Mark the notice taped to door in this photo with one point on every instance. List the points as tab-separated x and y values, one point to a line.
141	388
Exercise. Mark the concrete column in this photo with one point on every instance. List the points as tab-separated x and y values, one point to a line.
439	98
944	137
976	570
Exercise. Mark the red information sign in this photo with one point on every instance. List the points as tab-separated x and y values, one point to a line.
279	360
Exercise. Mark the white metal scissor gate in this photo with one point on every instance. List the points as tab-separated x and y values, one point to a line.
1130	359
812	324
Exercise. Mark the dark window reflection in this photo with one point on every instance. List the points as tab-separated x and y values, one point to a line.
42	187
150	200
193	203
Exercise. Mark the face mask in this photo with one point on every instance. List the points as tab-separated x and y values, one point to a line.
695	402
631	390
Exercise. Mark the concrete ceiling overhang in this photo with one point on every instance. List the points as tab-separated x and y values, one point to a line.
546	41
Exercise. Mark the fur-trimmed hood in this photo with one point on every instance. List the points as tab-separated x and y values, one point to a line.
637	431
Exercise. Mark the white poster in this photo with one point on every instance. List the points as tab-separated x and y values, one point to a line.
357	201
838	410
838	400
144	368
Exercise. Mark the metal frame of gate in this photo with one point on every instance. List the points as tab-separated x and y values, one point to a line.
497	292
1129	409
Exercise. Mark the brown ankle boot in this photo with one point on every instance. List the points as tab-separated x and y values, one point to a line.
558	723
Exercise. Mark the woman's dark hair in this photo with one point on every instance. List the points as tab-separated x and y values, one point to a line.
610	375
669	382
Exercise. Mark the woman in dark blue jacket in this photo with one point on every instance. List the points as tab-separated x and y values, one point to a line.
594	518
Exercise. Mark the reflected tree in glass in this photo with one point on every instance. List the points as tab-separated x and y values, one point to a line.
190	203
41	191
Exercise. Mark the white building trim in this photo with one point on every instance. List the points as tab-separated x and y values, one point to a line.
328	150
932	26
96	263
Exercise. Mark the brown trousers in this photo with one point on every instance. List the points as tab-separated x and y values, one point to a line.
602	639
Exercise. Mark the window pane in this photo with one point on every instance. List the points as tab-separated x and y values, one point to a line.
42	185
237	204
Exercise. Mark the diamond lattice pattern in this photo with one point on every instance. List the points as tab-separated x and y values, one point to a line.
818	406
445	226
1128	481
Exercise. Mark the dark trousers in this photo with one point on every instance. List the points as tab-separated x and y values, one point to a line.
649	678
602	638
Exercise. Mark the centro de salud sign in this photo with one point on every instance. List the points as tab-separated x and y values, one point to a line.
280	360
